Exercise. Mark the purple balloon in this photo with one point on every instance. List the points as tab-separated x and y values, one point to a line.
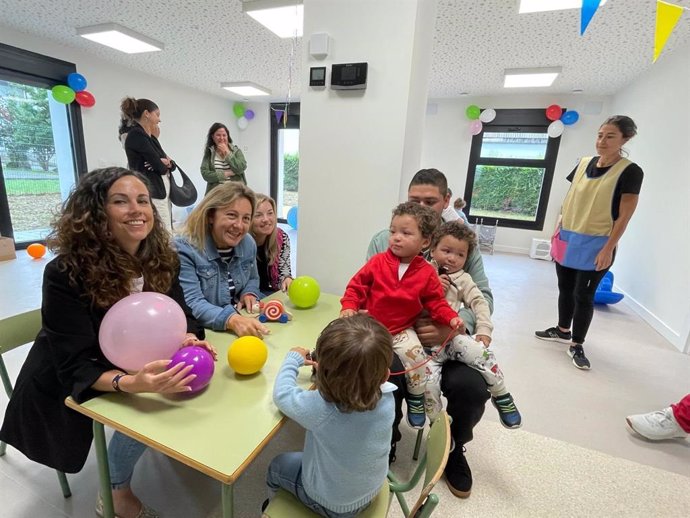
202	361
249	114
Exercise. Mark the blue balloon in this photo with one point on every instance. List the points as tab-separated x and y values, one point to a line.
76	82
292	217
570	117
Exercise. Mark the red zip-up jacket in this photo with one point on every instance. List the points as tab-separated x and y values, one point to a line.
397	303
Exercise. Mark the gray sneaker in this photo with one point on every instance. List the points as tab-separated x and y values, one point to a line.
553	334
577	353
656	426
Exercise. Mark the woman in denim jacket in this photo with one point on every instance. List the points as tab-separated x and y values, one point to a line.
218	261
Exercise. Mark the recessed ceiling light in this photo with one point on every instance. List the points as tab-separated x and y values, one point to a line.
282	17
246	89
537	6
526	77
119	38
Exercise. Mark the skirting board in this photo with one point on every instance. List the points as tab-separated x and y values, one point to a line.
657	324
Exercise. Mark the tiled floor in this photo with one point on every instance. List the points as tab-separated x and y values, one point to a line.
573	456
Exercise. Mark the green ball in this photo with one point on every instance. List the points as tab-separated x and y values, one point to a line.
63	94
473	111
304	292
238	109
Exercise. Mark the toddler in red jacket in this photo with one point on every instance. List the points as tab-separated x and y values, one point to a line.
395	286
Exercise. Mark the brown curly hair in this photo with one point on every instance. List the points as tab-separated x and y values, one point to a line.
83	241
459	231
427	219
354	355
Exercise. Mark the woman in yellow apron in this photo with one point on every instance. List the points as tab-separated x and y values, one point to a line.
602	198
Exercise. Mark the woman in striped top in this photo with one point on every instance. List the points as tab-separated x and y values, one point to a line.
223	161
272	247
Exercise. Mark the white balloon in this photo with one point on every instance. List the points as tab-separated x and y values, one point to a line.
487	115
555	129
242	123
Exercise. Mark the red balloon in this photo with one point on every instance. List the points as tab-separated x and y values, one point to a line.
87	100
553	112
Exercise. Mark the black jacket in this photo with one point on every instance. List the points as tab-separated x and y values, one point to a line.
65	360
140	148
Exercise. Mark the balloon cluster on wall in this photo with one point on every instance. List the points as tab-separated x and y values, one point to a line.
561	118
243	115
74	90
478	117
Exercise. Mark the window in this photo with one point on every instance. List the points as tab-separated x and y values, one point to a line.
284	157
511	169
41	144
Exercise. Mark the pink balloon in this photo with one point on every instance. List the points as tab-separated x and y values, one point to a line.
141	328
202	365
476	127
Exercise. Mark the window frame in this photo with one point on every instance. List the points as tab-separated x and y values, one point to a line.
23	66
293	110
514	121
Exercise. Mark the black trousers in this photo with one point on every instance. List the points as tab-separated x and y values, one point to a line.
576	299
465	390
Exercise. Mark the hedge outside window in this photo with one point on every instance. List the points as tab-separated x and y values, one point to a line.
510	171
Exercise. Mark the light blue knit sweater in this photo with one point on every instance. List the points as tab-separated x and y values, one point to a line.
345	455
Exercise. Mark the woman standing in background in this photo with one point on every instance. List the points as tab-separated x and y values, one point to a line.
223	161
142	116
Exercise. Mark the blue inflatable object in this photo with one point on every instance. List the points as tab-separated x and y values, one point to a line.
604	293
292	217
76	82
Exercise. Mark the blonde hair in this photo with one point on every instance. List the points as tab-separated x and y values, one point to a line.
354	355
197	226
271	244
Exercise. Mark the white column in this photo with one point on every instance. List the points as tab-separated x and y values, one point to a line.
359	149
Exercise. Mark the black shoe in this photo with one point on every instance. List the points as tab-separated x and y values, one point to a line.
553	334
577	353
507	411
458	473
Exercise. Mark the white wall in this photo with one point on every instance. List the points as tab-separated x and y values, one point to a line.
447	143
652	268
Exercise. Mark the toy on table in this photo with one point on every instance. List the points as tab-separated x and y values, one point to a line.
202	365
247	355
273	311
605	293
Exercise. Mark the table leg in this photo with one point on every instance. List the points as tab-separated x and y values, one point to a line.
103	469
227	500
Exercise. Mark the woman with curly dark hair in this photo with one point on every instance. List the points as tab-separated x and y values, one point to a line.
109	244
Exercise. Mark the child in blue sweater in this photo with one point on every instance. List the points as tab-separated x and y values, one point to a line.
348	419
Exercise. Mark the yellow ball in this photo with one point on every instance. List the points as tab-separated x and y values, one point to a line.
247	355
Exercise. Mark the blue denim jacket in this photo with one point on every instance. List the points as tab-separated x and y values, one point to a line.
204	279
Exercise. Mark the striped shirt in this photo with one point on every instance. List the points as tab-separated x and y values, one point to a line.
226	256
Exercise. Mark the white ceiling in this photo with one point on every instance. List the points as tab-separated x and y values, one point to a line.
210	41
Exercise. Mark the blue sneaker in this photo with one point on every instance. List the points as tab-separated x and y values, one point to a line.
507	411
416	415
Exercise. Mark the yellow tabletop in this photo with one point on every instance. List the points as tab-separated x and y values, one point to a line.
218	431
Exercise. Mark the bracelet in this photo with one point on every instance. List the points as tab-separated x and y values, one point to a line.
116	381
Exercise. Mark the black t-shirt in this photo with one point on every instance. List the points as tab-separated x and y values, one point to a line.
629	182
262	266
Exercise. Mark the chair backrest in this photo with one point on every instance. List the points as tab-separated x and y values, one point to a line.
19	329
436	457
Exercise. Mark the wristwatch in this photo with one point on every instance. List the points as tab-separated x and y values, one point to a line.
116	381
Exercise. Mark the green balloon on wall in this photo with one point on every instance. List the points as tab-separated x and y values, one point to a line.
63	94
238	109
473	111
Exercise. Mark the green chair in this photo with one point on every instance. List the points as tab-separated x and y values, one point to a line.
15	331
285	505
432	465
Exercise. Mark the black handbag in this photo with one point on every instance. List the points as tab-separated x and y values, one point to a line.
182	195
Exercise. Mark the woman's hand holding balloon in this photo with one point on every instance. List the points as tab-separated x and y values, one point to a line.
192	340
157	377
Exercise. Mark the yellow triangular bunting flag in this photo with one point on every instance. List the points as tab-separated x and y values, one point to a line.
667	16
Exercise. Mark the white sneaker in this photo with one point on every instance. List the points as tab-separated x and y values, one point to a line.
656	426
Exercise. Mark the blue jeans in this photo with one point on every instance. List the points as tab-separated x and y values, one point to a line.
123	454
285	472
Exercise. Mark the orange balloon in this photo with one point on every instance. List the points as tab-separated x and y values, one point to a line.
36	250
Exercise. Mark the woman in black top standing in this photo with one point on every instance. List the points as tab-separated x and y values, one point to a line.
140	117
